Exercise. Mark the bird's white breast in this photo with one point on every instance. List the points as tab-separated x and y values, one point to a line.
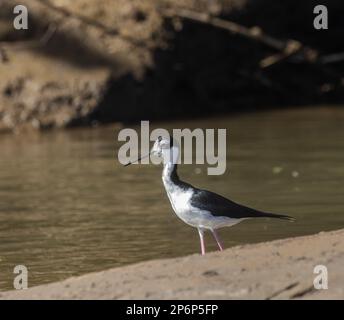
181	201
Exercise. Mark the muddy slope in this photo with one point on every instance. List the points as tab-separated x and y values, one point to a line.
87	62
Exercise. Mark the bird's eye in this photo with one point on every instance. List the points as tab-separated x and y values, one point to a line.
159	138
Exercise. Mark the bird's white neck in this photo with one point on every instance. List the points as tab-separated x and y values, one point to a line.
170	157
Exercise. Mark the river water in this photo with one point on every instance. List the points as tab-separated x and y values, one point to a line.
67	207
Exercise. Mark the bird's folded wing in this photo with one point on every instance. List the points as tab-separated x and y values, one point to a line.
220	206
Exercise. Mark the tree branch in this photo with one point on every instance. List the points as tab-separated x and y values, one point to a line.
287	48
332	58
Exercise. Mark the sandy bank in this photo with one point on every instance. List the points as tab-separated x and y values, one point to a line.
281	269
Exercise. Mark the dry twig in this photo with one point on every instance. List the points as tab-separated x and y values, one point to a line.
89	21
332	58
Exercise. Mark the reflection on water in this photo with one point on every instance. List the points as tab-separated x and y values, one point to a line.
67	207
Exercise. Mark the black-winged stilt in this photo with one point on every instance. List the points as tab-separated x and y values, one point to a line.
202	209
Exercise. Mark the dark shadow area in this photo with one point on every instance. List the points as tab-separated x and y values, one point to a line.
206	70
294	19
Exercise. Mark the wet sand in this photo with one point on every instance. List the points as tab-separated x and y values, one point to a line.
281	269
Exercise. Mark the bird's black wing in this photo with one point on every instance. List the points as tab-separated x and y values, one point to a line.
221	207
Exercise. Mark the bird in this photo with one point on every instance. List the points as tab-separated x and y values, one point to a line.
201	209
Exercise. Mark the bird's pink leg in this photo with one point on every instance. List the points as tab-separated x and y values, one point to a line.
201	236
217	238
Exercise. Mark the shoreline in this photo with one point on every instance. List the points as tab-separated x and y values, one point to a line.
280	269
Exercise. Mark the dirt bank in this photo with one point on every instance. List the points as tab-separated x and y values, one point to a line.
85	62
281	269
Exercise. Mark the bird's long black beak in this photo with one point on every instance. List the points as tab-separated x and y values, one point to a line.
138	159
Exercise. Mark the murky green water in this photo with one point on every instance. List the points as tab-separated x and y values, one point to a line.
67	207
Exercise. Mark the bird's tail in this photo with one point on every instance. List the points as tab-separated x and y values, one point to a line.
279	216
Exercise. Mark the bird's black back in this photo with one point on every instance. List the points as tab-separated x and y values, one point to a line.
221	207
